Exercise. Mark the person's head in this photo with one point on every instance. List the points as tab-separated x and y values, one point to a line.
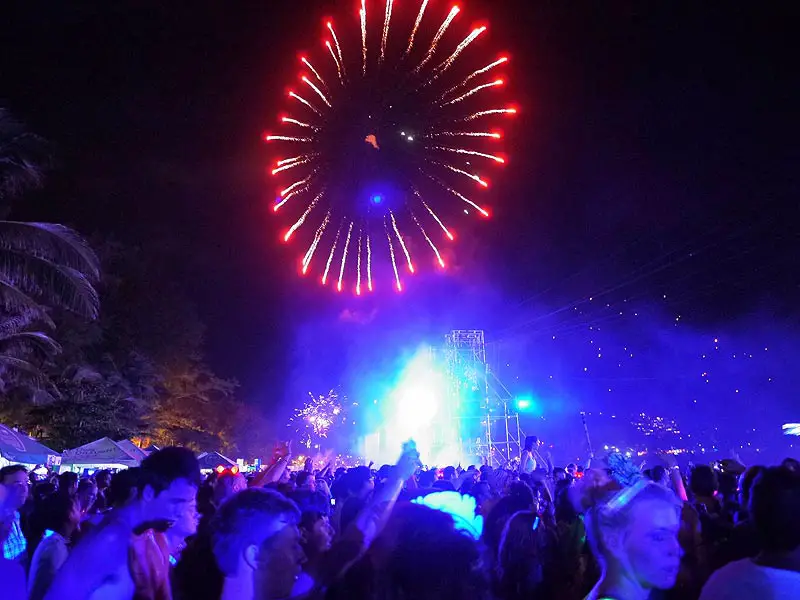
103	479
68	483
572	468
703	481
123	487
421	555
481	492
86	494
559	474
524	556
170	479
306	481
316	533
659	474
255	537
15	480
360	482
449	473
426	478
61	513
774	499
633	531
228	484
746	480
531	442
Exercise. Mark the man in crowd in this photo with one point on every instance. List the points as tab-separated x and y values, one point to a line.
15	480
123	556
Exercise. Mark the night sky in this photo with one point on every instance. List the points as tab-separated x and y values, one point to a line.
653	173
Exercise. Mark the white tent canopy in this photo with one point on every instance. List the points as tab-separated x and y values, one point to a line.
101	454
18	448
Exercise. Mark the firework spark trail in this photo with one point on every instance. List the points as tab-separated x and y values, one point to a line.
291	163
289	196
459	49
306	102
452	15
492	111
302	219
402	242
434	215
287	138
429	240
488	134
299	123
317	237
363	14
416	26
459	195
497	159
295	185
344	257
338	48
317	90
387	20
391	255
472	176
336	60
474	91
330	256
304	60
473	75
369	264
358	265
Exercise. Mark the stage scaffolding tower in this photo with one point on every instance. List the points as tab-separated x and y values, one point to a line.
480	407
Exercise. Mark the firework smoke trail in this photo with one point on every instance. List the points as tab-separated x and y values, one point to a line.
460	196
298	123
338	48
452	15
330	256
369	264
344	257
472	176
434	215
402	243
317	90
387	20
473	75
363	14
474	91
306	102
416	26
492	111
336	60
391	254
302	219
497	159
304	60
317	237
429	240
459	49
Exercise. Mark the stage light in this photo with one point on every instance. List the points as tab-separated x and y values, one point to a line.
376	199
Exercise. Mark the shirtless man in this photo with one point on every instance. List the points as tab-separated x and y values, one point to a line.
123	555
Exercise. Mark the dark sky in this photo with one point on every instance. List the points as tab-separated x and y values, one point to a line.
656	155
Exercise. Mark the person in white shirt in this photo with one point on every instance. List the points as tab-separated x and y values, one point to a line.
61	515
775	573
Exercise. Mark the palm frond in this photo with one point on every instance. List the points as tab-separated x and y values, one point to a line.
51	284
24	157
17	369
13	324
54	243
14	301
30	340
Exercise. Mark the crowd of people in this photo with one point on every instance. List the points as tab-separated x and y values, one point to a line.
526	530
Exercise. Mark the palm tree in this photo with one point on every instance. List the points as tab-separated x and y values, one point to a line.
42	265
